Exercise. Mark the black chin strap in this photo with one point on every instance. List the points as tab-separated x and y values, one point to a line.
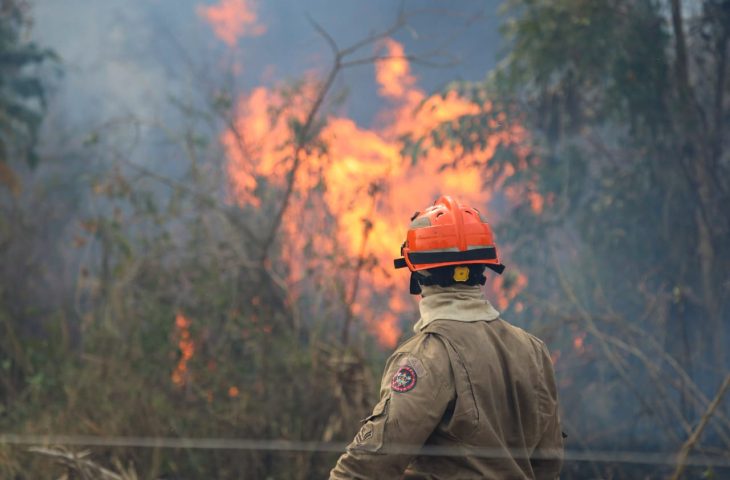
415	285
443	276
496	268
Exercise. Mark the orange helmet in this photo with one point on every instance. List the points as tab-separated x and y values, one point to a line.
448	233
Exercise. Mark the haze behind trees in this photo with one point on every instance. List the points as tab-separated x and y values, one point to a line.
149	300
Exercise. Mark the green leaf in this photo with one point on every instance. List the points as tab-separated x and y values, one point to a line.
36	380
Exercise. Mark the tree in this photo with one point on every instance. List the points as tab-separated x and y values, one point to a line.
22	102
22	94
626	105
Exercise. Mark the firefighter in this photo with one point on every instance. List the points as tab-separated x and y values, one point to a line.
469	395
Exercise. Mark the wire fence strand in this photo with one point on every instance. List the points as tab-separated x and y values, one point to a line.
645	458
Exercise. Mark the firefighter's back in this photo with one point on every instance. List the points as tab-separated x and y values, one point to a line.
505	405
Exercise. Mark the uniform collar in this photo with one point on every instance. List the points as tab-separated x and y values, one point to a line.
463	303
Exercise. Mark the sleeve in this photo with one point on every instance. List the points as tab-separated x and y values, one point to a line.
548	458
415	391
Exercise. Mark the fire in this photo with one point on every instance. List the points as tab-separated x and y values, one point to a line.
187	349
258	145
351	201
537	202
232	19
394	74
506	288
579	342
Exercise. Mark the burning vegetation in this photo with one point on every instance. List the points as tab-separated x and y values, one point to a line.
186	345
232	20
355	188
239	294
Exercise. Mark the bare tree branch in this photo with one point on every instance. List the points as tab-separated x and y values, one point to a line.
416	59
204	199
694	438
325	34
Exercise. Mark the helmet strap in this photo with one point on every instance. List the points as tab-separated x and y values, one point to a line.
444	277
415	285
499	268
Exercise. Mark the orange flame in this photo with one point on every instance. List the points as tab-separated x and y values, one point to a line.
180	376
579	342
350	201
232	19
393	74
537	202
504	296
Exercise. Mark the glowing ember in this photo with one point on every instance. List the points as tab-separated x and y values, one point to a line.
579	342
187	349
233	391
232	19
351	202
536	202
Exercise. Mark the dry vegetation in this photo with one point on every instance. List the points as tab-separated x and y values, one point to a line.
143	302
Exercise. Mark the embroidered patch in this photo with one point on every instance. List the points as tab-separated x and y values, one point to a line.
364	434
404	379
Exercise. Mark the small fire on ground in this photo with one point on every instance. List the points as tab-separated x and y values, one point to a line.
186	346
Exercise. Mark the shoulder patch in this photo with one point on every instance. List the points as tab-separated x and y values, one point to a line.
404	379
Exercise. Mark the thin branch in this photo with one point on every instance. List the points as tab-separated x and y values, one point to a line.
698	397
694	438
589	322
325	34
238	135
719	101
651	367
416	59
680	47
338	63
298	150
367	228
77	461
204	199
645	340
399	23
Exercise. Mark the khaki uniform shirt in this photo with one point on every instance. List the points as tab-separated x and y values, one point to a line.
462	399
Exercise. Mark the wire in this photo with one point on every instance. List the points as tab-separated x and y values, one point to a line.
645	458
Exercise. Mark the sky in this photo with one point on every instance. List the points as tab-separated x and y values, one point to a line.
128	56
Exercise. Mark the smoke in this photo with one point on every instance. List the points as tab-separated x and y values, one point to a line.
129	56
101	46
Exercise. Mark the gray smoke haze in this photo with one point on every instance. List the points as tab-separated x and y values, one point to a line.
128	56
